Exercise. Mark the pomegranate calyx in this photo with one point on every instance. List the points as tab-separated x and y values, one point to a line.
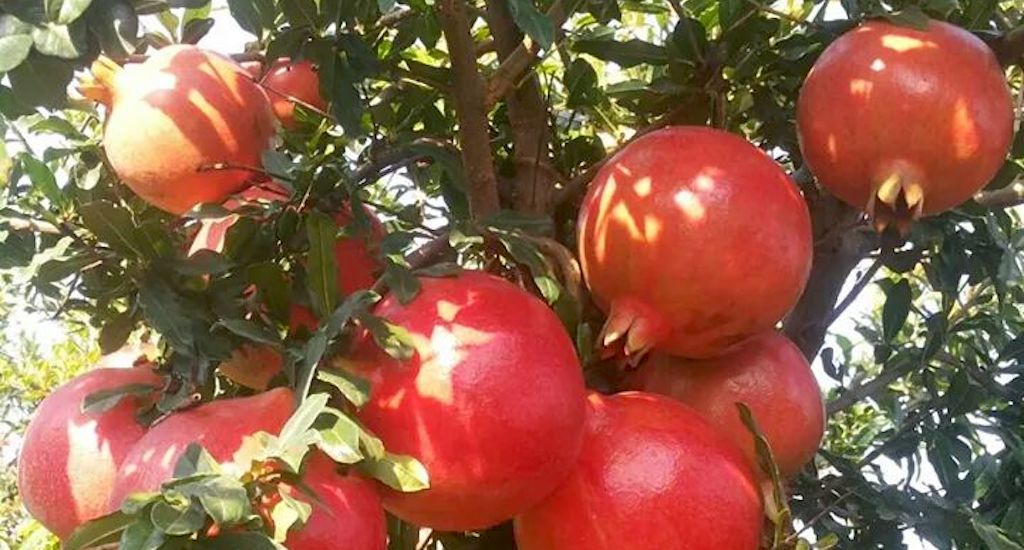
898	200
633	327
100	86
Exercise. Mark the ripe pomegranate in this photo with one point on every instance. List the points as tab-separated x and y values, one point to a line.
220	427
769	374
176	120
286	81
491	402
69	459
904	122
693	240
652	474
347	511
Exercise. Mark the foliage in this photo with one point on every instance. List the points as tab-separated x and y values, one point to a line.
925	430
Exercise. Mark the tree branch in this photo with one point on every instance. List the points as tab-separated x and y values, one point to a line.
470	108
397	157
519	60
1007	197
871	388
528	118
1009	48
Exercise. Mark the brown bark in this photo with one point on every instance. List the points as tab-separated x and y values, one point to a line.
470	108
1007	197
519	59
528	117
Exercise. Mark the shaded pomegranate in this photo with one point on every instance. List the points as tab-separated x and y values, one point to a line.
173	119
693	240
491	402
346	511
286	81
769	374
220	427
69	459
903	122
652	474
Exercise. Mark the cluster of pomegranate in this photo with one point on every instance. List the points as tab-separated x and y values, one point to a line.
692	240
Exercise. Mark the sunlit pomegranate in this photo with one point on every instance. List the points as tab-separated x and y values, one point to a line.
287	81
693	240
69	459
769	374
491	403
903	122
185	127
221	427
652	474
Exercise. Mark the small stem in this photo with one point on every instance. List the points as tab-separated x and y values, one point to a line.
851	296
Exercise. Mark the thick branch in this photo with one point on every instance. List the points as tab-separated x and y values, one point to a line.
519	60
1007	197
471	109
528	118
1009	48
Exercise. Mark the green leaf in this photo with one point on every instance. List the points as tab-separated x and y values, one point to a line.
104	530
142	535
732	12
224	499
42	81
114	226
303	418
401	282
251	331
115	332
581	81
339	437
168	314
626	54
393	339
300	13
994	537
195	29
532	22
253	15
289	512
322	263
63	41
896	309
15	42
174	520
354	388
104	400
195	460
1013	351
400	472
385	5
43	180
66	11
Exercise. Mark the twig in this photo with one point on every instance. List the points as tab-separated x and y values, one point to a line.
851	296
217	166
394	17
295	100
567	264
399	156
470	108
1007	197
781	14
19	224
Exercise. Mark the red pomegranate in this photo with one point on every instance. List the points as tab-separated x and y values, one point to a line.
346	511
286	81
176	120
769	374
652	474
491	402
69	459
904	122
220	427
693	240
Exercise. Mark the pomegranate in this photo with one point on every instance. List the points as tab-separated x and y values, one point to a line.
220	427
491	402
69	459
903	122
347	511
254	68
769	374
187	126
694	241
652	474
287	81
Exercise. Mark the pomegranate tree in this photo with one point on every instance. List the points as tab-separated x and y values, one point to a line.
769	374
187	126
903	122
694	241
221	427
287	81
652	474
491	403
70	458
